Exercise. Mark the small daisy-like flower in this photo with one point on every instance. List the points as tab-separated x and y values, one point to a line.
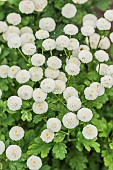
34	163
39	95
2	147
54	124
47	135
90	132
14	103
40	107
84	114
13	152
16	133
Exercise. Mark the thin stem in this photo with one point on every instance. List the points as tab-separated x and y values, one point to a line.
59	99
66	52
51	53
23	55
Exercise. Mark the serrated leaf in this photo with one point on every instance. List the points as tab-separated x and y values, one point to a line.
59	137
108	158
59	151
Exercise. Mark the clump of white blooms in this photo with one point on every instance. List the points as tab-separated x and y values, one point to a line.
34	162
54	124
47	24
107	81
14	18
25	92
59	87
14	42
40	107
85	56
12	71
51	73
16	133
13	152
90	132
62	76
69	92
84	114
73	103
14	103
47	135
47	85
98	87
2	147
70	120
27	38
90	93
69	10
101	56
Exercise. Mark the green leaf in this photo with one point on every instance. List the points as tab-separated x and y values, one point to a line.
45	167
59	151
108	158
59	137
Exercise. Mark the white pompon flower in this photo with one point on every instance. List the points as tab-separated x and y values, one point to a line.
69	10
49	44
13	152
51	73
29	48
79	1
38	59
59	87
101	56
62	41
72	69
47	136
111	37
74	60
2	147
102	69
73	44
34	163
70	29
16	133
4	71
12	35
25	92
73	103
36	73
98	87
110	70
84	47
0	93
27	38
14	18
84	114
47	24
107	81
40	107
14	42
62	76
26	29
90	17
87	30
47	85
40	5
104	43
90	93
90	132
42	34
22	76
85	56
109	15
54	124
39	95
3	26
94	40
69	92
14	103
70	120
54	62
91	23
26	7
103	24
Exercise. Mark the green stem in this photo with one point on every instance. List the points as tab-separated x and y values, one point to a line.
51	53
60	100
66	52
22	55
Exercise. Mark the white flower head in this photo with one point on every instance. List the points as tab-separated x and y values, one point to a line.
14	18
36	73
69	92
87	30
4	71
39	95
40	5
90	132
49	44
70	29
89	22
70	120
14	42
14	103
42	34
16	133
26	7
54	124
109	15
110	70
107	81
94	40
27	38
84	114
34	162
47	135
13	152
2	147
98	87
104	43
102	69
85	56
54	62
62	76
3	26
62	41
22	76
79	1
59	87
69	10
90	17
26	29
84	47
101	56
73	44
74	60
38	59
40	107
72	69
29	48
47	24
25	92
47	85
73	103
51	73
90	93
12	71
103	24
